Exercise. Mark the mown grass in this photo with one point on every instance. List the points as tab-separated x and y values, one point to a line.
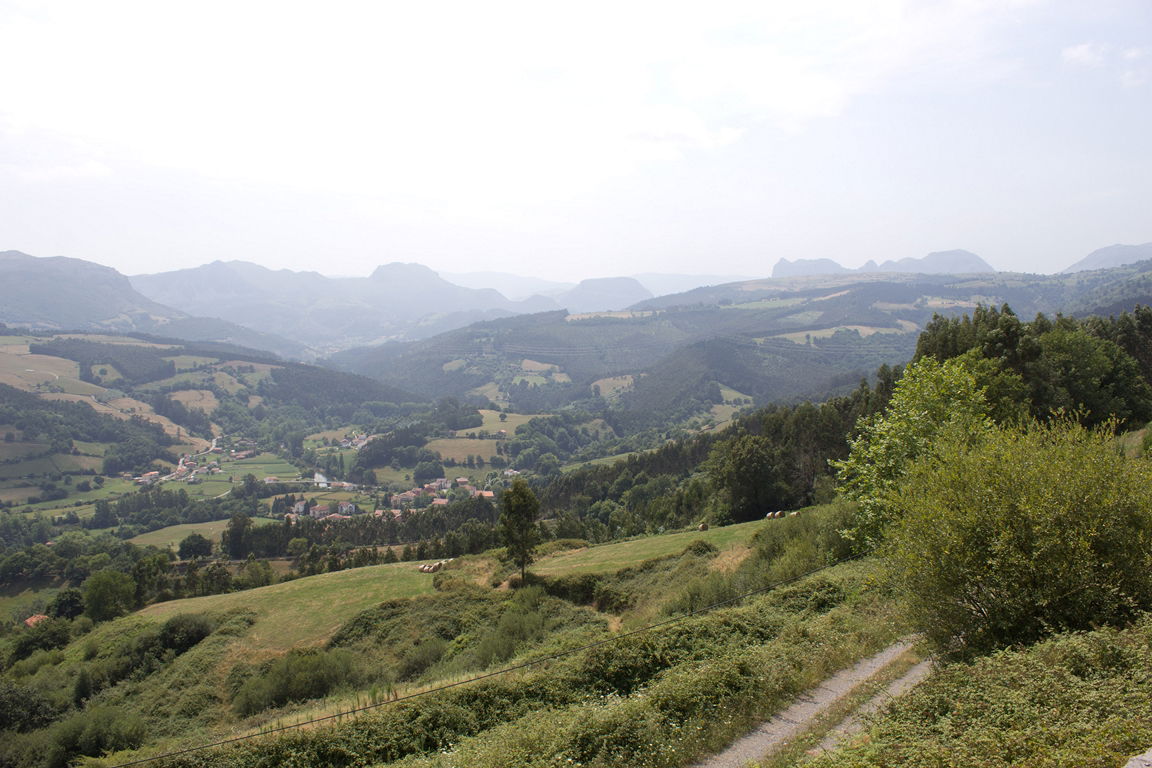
307	611
606	558
458	449
174	534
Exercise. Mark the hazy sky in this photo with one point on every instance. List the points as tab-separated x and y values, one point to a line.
569	140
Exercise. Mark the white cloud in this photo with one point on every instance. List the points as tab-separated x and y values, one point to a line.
1086	54
500	102
1126	65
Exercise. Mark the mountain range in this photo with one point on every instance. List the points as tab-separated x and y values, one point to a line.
59	293
956	262
521	287
306	315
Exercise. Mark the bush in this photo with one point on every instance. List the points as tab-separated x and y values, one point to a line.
298	676
1027	533
44	636
184	630
94	732
22	708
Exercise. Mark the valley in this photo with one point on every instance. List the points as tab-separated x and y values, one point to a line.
206	543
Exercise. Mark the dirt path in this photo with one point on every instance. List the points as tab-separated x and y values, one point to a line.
855	722
793	720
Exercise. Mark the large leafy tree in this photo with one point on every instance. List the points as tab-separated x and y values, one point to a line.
931	399
1024	533
518	510
749	472
108	594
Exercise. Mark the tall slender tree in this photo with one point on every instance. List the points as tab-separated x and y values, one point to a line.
518	510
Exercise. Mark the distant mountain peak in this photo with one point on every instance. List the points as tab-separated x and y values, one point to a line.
786	268
1111	256
600	294
404	270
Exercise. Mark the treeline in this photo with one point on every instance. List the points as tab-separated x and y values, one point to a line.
467	525
774	458
1095	367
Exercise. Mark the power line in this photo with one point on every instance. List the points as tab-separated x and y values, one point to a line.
495	673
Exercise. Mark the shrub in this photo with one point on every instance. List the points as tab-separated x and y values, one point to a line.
94	732
1027	533
22	708
297	676
184	630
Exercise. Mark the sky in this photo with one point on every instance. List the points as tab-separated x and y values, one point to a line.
573	140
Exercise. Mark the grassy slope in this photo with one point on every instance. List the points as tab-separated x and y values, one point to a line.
612	557
174	534
305	612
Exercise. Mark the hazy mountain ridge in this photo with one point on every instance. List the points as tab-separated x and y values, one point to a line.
1111	256
395	301
769	339
58	292
954	262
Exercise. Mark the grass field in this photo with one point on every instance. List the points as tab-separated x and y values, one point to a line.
597	462
99	338
533	366
492	421
20	600
187	377
128	407
614	386
306	612
803	337
459	448
227	382
20	450
189	362
264	465
766	304
174	534
18	493
492	391
106	371
316	439
387	475
198	399
57	462
27	372
607	558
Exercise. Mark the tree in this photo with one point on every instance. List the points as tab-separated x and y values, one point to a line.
931	399
747	471
518	510
67	604
237	537
108	594
195	545
1025	533
426	471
